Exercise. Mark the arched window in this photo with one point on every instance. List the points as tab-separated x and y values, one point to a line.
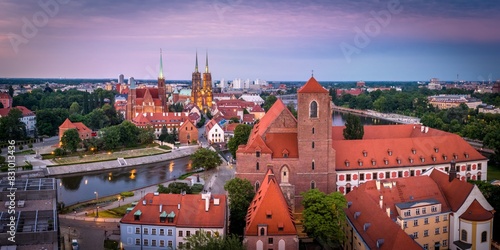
262	231
313	185
312	165
484	236
312	144
463	236
257	166
313	130
313	110
257	185
284	174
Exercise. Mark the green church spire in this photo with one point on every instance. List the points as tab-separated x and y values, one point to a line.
160	76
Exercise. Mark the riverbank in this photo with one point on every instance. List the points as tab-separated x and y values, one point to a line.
374	114
119	163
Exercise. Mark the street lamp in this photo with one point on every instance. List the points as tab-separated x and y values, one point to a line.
119	198
96	200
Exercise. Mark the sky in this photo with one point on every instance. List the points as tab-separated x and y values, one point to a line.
279	40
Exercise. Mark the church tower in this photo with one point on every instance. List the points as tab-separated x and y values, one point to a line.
130	114
207	87
196	86
314	135
162	95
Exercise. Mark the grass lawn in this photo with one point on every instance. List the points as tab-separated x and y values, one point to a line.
493	172
118	212
107	156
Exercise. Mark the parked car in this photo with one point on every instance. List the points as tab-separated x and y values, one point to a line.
75	245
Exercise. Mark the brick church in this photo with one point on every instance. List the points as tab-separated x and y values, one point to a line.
201	91
147	100
308	152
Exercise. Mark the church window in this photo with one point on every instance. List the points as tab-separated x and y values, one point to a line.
313	185
312	145
313	130
463	236
312	165
484	236
257	166
313	110
257	154
257	185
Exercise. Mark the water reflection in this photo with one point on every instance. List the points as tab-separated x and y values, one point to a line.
119	180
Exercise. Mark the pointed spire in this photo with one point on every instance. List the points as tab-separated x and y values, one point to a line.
160	76
206	64
196	66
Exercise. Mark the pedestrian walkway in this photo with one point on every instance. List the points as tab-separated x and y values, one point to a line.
105	165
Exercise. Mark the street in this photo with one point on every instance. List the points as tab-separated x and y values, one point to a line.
89	234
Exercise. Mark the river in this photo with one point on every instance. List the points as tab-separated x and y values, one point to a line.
81	187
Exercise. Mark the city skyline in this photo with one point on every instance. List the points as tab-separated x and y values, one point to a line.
271	40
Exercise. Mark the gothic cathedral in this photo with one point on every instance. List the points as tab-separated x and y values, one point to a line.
201	92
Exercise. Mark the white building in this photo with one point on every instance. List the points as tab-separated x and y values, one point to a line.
28	118
163	221
214	132
256	99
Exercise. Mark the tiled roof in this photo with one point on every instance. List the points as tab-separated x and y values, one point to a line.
379	226
248	118
312	86
231	127
81	127
269	207
283	143
67	124
186	124
476	212
191	213
25	111
257	108
456	191
141	93
141	120
400	145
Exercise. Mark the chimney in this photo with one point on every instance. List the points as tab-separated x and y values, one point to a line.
161	207
178	206
453	172
206	196
381	201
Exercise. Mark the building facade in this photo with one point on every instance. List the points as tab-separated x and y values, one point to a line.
432	211
269	221
201	90
83	131
163	221
308	152
147	100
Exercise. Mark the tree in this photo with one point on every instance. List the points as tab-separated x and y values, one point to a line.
204	241
292	109
240	194
324	217
146	135
268	103
163	133
11	126
353	128
234	119
70	140
241	134
49	120
205	158
74	108
96	119
111	137
129	134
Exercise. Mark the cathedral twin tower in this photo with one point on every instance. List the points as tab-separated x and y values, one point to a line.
143	101
201	91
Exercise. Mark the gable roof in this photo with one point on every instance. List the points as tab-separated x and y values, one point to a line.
269	207
456	191
186	123
312	86
476	212
386	146
67	124
373	224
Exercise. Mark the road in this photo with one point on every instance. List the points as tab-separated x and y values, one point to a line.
90	235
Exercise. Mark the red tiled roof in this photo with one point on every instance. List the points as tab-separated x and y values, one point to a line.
312	86
81	127
279	142
269	207
399	142
185	124
25	111
231	127
476	212
381	226
191	214
248	118
456	191
141	120
257	108
354	92
67	124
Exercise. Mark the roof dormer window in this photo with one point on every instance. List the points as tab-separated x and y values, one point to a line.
466	155
346	163
445	157
436	149
360	163
413	151
398	160
410	159
433	158
386	161
455	156
365	153
422	159
374	162
389	152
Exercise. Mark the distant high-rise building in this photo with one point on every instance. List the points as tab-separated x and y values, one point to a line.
121	78
201	92
147	100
